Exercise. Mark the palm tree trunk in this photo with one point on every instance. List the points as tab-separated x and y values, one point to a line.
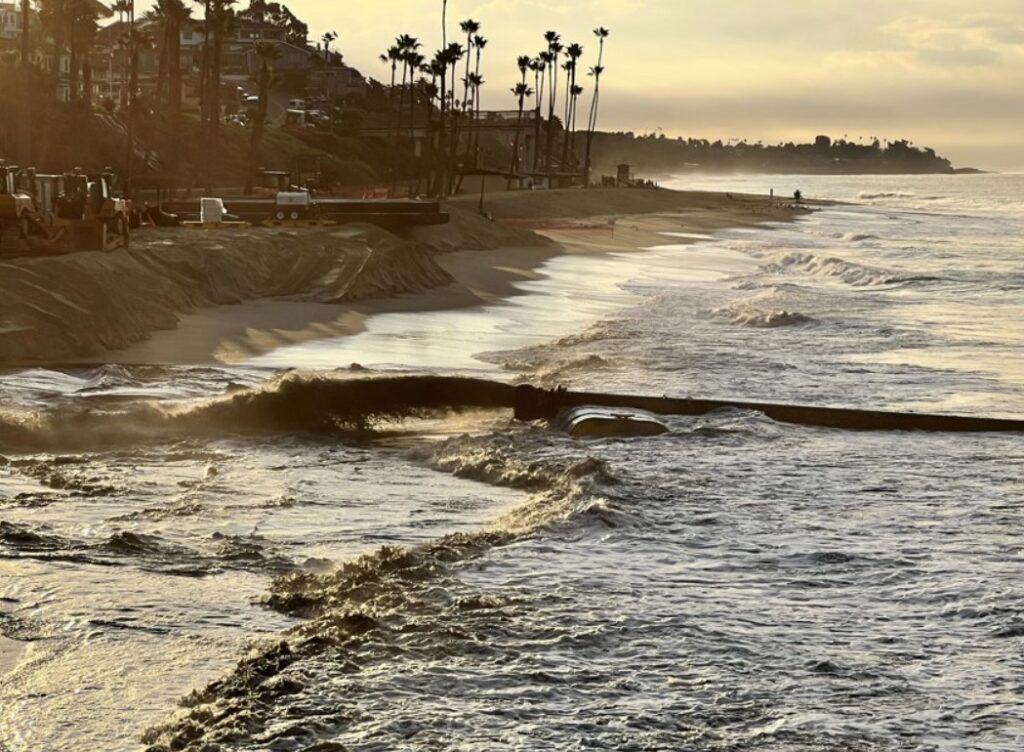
26	15
86	86
515	149
204	71
475	148
395	162
592	126
215	73
442	161
73	54
258	125
565	123
552	96
161	70
174	85
539	81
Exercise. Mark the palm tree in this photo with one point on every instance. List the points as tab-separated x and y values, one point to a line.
479	43
469	28
392	56
327	39
267	54
476	81
407	46
219	22
455	54
521	91
123	8
602	34
444	24
416	61
554	50
177	14
574	52
538	66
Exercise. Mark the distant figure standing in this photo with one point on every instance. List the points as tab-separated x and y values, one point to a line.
797	195
771	194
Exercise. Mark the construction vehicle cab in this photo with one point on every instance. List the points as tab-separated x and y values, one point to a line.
88	215
272	182
17	212
308	172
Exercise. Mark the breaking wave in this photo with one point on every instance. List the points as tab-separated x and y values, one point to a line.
393	603
768	319
296	402
885	194
855	275
146	551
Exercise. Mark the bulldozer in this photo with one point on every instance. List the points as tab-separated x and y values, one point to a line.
87	217
18	213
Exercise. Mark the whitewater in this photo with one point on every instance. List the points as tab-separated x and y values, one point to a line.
299	553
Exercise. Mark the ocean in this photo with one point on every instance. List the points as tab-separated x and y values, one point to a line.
182	571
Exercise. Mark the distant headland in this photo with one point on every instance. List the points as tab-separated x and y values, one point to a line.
657	153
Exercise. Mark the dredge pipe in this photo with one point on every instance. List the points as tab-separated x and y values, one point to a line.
532	403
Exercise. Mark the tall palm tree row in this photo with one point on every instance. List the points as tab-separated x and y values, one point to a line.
602	34
553	38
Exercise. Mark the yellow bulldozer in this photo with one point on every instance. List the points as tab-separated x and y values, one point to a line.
83	215
87	217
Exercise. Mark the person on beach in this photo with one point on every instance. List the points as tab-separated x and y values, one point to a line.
771	194
797	195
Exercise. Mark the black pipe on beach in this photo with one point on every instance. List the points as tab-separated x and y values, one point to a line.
534	404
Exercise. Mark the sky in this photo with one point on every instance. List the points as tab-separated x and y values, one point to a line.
943	73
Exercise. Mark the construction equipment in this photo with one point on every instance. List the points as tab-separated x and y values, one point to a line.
88	217
307	172
18	214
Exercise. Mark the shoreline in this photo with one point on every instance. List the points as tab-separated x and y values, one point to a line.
223	299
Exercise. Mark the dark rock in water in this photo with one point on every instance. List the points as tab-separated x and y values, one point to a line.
1014	630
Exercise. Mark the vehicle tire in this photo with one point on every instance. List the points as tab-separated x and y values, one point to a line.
124	230
8	240
293	215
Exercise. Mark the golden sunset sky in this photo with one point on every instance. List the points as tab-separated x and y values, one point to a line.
943	73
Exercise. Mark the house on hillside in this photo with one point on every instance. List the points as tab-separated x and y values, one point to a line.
10	21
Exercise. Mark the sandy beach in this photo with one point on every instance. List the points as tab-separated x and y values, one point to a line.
195	297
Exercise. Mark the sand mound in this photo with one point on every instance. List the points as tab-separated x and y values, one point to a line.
83	304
